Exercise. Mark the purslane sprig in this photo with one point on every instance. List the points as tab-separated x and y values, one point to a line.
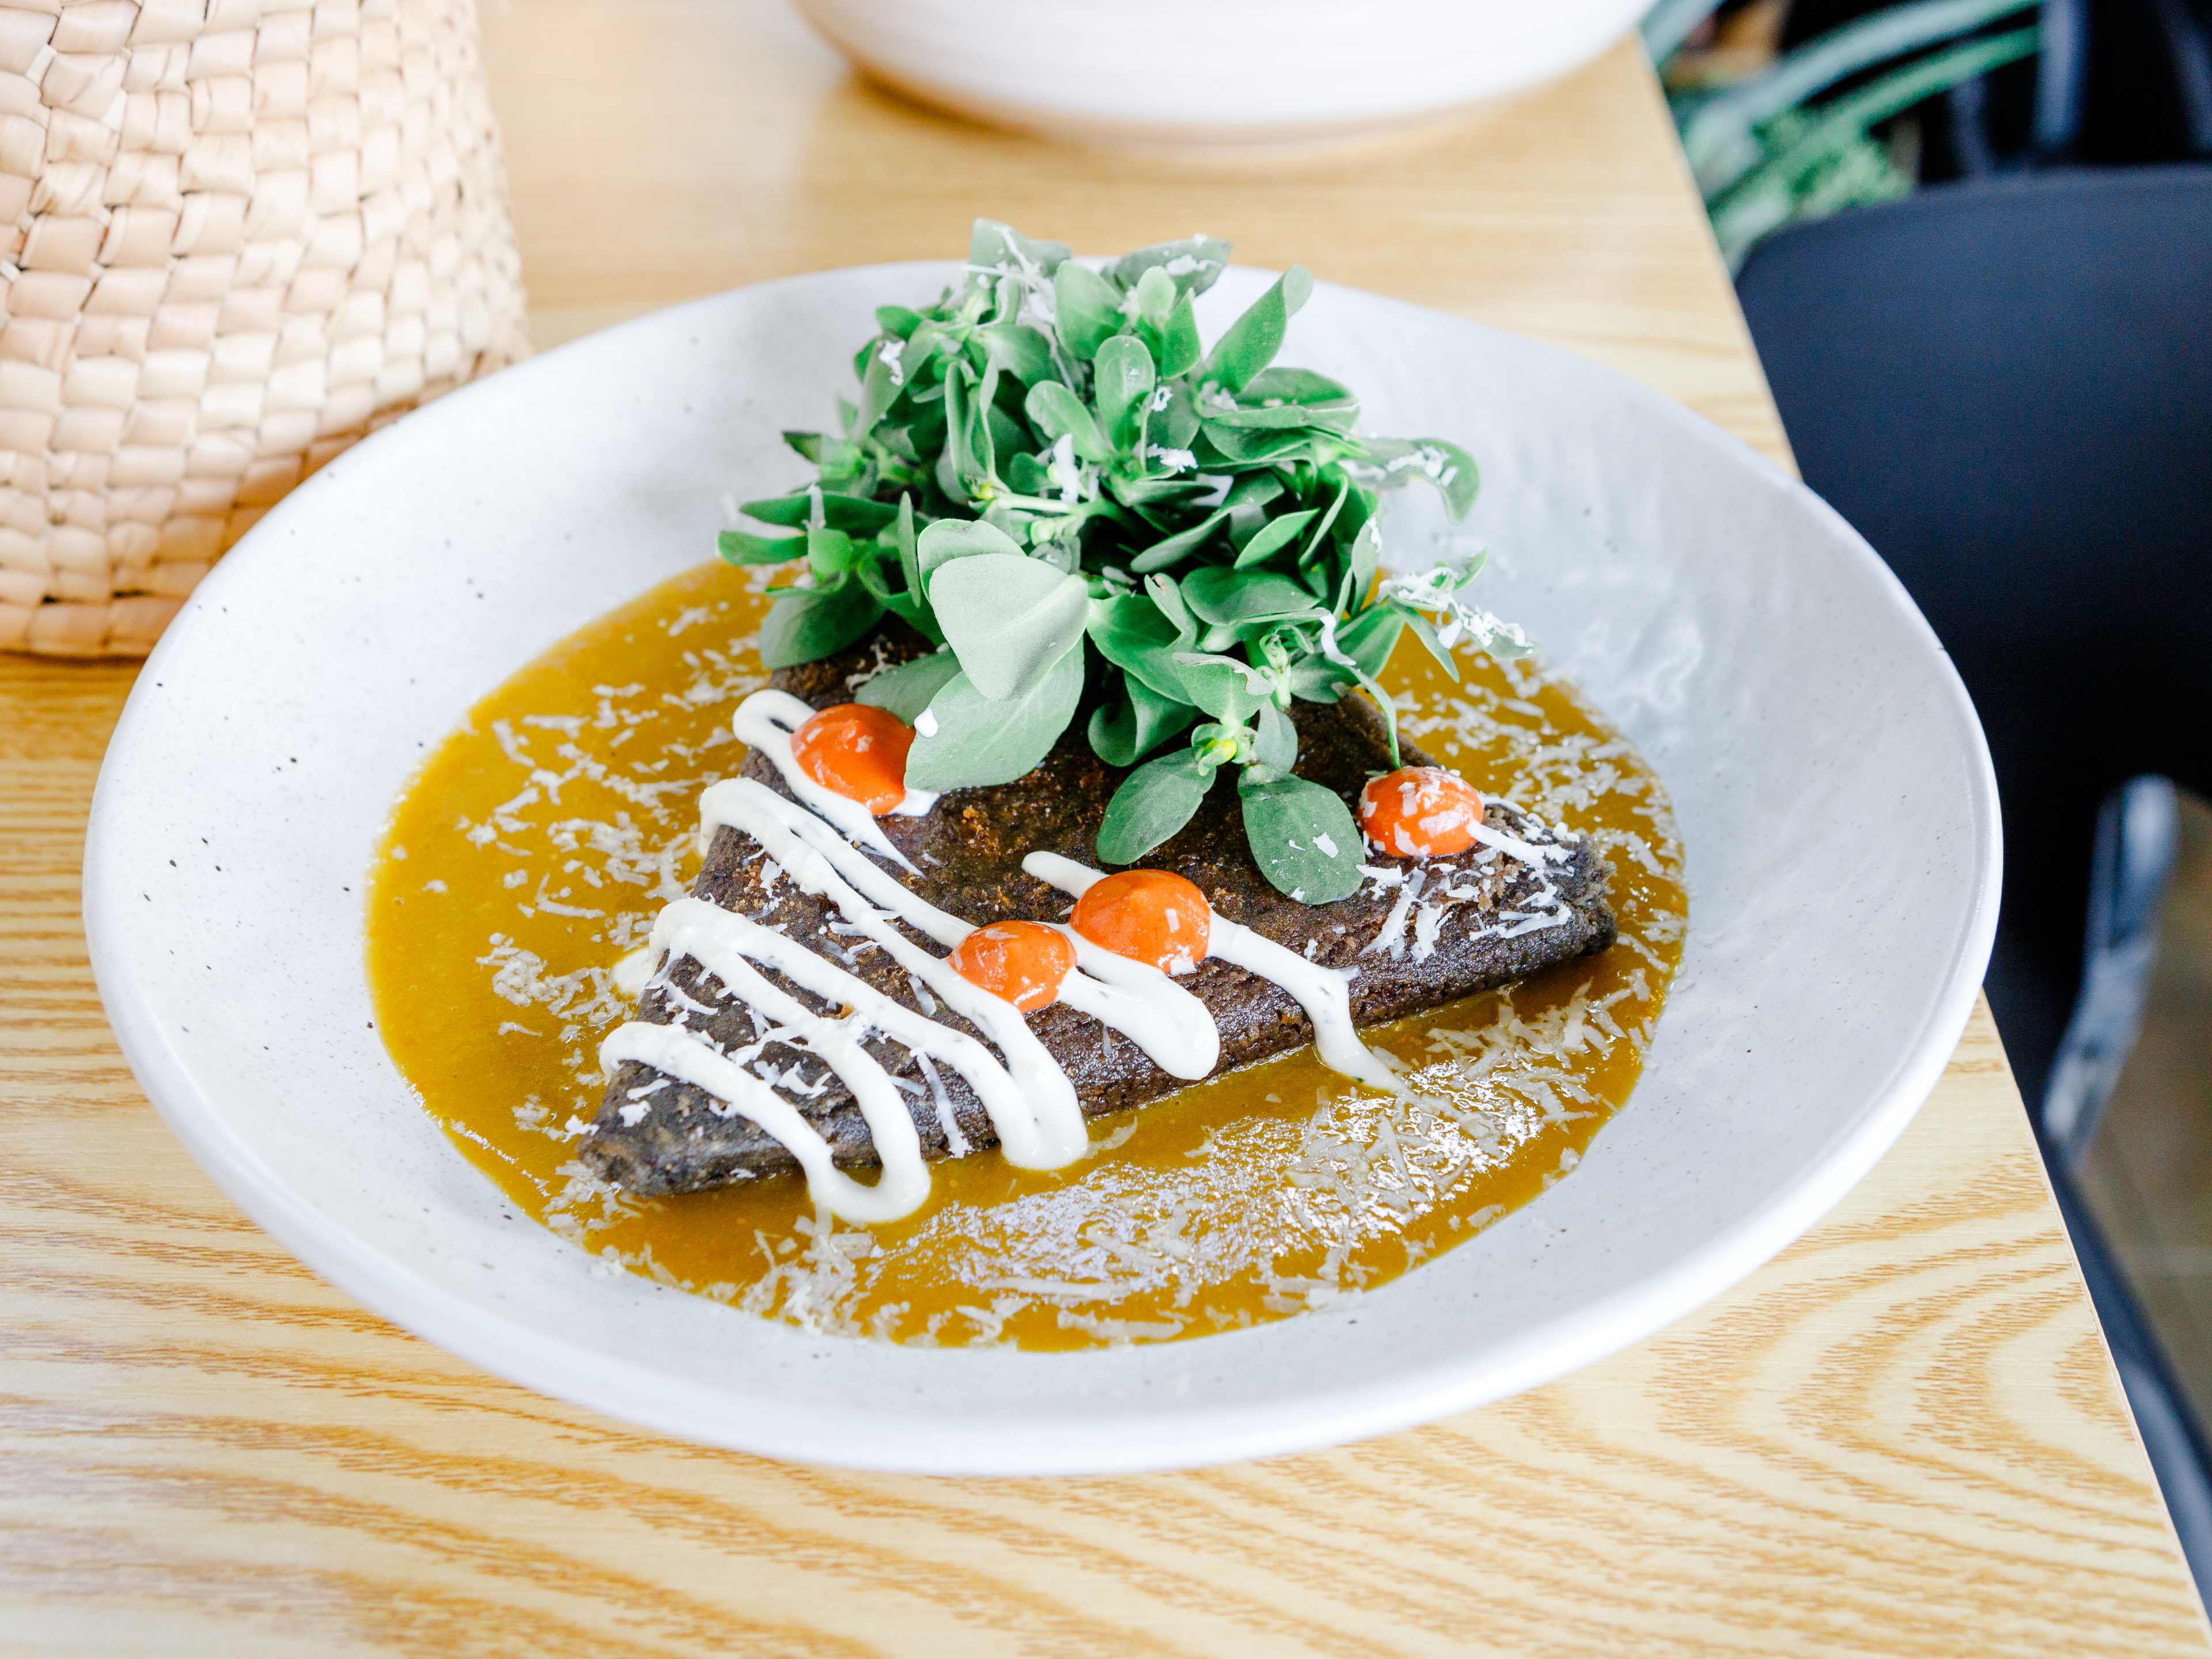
1049	475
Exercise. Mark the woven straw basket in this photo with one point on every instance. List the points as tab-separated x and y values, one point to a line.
235	235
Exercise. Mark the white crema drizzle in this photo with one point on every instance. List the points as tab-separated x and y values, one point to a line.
765	720
823	842
1324	993
1031	1103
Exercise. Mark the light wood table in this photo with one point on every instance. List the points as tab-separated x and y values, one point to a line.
1902	1437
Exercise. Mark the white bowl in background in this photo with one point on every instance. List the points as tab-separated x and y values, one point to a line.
1215	72
1833	794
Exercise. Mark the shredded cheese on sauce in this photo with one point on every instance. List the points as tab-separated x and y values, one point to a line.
1277	1192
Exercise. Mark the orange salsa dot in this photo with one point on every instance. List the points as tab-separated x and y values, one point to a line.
856	751
1024	962
1420	812
1148	916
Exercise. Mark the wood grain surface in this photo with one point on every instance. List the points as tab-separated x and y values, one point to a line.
1902	1437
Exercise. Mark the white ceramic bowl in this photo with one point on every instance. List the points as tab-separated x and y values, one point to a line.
1218	71
1833	792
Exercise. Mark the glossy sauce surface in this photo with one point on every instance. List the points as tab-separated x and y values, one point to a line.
538	841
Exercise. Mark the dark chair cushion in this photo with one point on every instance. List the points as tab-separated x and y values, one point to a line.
2007	387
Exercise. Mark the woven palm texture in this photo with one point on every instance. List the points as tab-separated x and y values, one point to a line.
235	235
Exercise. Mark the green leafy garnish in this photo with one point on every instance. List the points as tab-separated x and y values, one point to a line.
907	690
1300	833
1154	802
1049	457
964	739
1008	619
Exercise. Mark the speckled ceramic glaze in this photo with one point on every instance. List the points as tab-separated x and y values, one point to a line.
1833	791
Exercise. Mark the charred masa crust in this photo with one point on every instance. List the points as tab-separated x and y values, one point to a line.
969	850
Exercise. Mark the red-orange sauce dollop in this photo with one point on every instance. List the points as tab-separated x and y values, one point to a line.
856	751
1024	962
1420	812
1147	916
